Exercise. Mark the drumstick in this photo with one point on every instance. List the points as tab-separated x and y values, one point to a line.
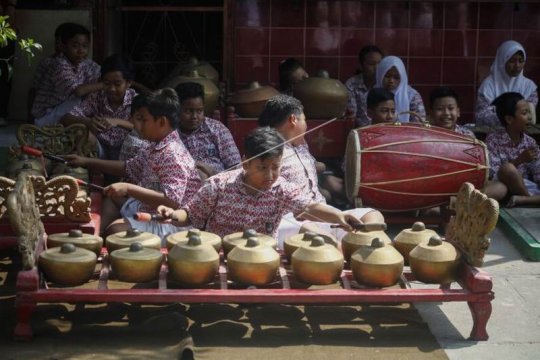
364	227
38	153
143	216
90	185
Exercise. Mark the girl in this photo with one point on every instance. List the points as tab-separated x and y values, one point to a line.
106	112
392	76
506	75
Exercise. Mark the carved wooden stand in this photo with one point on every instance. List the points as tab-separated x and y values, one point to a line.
475	285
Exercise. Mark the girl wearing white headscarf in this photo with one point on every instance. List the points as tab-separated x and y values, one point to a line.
392	76
506	75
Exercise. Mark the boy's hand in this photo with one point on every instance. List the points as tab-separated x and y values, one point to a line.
346	220
117	190
96	125
75	160
165	211
527	156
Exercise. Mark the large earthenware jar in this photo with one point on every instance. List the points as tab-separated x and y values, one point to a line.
322	97
249	102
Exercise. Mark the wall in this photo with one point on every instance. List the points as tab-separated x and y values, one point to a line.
450	42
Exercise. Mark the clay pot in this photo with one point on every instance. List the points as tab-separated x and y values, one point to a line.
407	239
435	261
232	240
124	239
378	264
322	97
356	239
250	102
253	263
211	92
317	263
182	237
68	265
194	262
136	263
77	238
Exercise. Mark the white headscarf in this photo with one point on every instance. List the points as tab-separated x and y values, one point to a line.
401	95
499	82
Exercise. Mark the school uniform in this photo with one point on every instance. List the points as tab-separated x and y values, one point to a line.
224	206
212	144
97	105
55	97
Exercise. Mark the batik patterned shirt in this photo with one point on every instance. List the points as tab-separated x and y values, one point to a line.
463	130
298	168
60	81
484	112
501	150
166	167
357	102
224	206
212	144
97	105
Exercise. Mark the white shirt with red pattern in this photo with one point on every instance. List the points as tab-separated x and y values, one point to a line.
166	167
223	206
132	146
463	130
97	105
60	81
501	150
298	168
212	144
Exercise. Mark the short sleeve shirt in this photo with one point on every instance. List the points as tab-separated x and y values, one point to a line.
357	102
213	145
166	167
501	150
298	167
223	206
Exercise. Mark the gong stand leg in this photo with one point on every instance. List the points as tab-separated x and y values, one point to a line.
24	306
481	311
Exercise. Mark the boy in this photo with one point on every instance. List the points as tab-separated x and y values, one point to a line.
359	85
165	173
286	115
210	143
71	76
381	107
445	110
513	155
255	197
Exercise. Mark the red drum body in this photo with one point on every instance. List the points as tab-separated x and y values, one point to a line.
411	166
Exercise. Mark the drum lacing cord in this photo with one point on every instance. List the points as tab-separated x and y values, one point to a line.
472	164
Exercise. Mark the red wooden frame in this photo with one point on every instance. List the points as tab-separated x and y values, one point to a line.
476	290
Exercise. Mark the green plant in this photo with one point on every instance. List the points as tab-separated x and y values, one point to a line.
27	46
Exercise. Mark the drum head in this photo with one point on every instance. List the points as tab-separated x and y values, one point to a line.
352	165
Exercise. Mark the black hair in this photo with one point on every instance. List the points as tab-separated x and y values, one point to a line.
442	92
163	102
70	30
285	69
278	108
506	105
366	50
376	96
138	102
189	90
264	142
62	28
118	62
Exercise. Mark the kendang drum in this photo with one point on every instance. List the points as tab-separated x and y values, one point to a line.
399	167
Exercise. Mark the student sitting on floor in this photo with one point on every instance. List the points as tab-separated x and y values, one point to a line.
254	197
165	173
106	112
209	142
70	77
513	155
